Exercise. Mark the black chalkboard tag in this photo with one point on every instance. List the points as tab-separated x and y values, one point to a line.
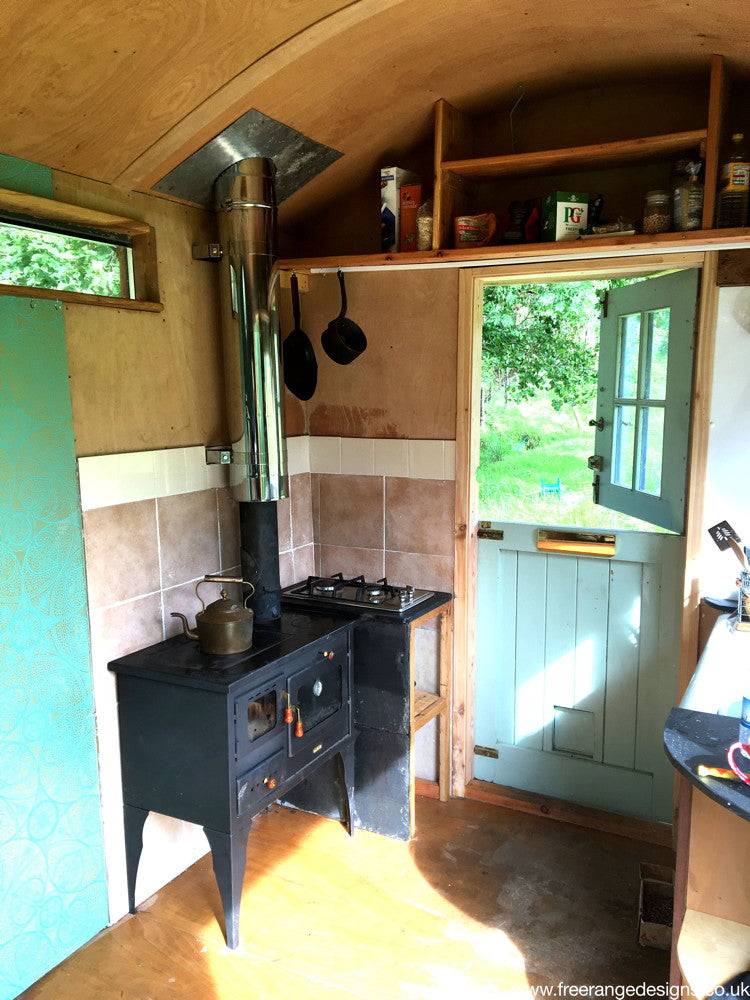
722	533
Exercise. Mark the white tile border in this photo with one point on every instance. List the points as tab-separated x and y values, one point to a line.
408	459
107	480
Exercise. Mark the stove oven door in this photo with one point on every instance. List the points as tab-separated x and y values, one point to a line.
258	720
319	695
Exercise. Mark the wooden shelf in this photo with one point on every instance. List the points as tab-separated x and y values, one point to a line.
596	247
710	950
425	707
603	154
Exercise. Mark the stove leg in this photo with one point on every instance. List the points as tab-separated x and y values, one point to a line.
228	854
345	781
134	820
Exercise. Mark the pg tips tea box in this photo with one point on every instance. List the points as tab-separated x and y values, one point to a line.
564	215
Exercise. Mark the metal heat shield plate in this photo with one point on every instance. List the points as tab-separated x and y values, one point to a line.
297	158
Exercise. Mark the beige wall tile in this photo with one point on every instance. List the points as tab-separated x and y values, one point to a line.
426	459
351	561
304	562
357	457
391	457
229	528
325	454
430	572
351	511
125	628
284	519
315	503
298	454
188	536
301	500
419	515
286	569
122	559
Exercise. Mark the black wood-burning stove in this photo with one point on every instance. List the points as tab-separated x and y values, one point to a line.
209	739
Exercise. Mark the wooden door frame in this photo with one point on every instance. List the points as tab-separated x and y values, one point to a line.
470	297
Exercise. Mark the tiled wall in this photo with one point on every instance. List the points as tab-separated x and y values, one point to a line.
156	522
143	559
382	507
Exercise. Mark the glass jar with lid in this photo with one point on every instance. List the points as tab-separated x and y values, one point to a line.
657	212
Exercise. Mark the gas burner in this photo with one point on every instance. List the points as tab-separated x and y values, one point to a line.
324	586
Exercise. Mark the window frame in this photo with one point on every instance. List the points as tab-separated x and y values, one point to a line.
49	215
677	291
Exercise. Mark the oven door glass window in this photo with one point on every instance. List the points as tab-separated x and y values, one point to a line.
261	715
318	692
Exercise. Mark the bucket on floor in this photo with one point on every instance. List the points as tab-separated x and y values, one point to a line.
655	906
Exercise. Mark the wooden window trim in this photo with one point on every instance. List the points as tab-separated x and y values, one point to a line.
50	212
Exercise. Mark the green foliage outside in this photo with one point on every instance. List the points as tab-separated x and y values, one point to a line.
57	261
539	368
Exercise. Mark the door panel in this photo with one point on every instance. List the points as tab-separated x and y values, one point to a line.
576	668
645	375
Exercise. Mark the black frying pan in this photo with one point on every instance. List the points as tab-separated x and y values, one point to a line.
343	340
300	363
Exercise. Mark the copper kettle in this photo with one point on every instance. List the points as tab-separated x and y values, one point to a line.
224	627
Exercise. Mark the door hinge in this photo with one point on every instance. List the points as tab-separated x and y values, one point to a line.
605	305
486	752
595	489
595	463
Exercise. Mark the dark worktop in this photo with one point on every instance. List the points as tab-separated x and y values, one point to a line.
178	659
692	738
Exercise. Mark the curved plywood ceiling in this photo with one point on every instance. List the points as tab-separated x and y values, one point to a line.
122	92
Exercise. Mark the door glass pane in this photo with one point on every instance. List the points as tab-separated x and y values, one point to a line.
627	356
650	450
657	347
623	444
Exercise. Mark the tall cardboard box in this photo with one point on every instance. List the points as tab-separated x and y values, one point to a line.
410	200
391	180
564	215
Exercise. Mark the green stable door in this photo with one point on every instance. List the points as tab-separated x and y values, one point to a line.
576	654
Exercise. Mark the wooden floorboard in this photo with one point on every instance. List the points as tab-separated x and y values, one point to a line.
482	902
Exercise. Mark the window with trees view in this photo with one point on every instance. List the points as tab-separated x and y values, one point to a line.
41	258
540	349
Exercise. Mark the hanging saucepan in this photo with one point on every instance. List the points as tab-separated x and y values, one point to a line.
300	363
343	340
224	627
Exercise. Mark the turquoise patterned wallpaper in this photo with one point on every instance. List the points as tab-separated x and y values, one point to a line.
52	876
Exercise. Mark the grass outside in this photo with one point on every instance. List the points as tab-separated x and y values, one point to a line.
523	445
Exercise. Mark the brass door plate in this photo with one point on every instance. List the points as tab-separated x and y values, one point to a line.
486	752
487	531
577	543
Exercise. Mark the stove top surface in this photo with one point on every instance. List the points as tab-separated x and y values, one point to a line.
356	592
179	659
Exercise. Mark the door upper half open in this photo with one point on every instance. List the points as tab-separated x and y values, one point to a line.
552	355
643	399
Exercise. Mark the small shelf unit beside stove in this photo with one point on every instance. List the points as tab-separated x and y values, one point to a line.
427	705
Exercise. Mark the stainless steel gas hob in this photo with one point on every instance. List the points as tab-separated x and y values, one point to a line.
338	591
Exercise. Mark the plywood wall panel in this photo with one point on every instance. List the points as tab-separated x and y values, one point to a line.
404	385
142	381
719	845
